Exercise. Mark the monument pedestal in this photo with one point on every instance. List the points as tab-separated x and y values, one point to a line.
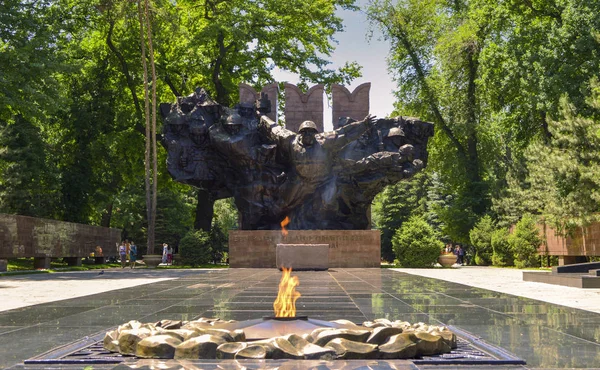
301	257
346	248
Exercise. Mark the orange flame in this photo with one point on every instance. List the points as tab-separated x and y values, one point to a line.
284	223
285	304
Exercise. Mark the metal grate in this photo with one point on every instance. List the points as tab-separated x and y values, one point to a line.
471	350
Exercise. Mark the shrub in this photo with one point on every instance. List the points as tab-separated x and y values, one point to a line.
219	243
481	239
524	242
195	248
501	255
415	244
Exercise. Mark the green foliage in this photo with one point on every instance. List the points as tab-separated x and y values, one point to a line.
415	244
27	264
490	75
436	203
219	244
445	92
481	239
71	103
502	253
31	35
27	186
524	242
195	248
563	176
225	215
174	215
394	206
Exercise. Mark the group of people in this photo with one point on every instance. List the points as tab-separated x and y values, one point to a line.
128	252
458	251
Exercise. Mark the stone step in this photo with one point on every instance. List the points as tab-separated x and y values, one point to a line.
576	268
573	280
595	272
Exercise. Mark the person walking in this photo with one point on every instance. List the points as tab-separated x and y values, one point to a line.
132	254
169	255
460	255
164	252
127	245
123	254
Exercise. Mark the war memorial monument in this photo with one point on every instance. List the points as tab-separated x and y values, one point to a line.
316	185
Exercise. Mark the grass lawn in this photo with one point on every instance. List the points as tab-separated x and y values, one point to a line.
26	264
19	266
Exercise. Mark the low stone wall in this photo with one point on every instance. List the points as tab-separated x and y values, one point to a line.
22	236
347	248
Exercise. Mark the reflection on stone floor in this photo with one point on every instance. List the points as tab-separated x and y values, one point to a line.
543	334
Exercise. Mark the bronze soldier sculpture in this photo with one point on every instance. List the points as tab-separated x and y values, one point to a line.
319	180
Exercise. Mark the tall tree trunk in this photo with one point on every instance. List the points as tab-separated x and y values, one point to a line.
222	95
149	237
473	166
204	210
152	224
107	215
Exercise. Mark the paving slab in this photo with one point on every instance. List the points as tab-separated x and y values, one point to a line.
546	335
510	281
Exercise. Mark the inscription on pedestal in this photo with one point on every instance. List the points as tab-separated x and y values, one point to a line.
303	256
347	248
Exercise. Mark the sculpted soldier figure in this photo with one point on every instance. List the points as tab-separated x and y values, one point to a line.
253	174
311	156
320	180
191	158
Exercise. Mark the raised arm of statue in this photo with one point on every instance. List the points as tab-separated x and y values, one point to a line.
348	133
276	134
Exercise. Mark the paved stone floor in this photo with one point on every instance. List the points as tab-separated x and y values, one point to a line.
545	335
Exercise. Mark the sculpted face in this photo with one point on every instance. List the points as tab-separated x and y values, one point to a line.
307	137
233	129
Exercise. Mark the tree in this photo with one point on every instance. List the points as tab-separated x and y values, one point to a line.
563	175
31	34
195	248
27	186
490	74
524	242
226	215
394	206
502	254
174	214
415	244
151	171
444	91
481	239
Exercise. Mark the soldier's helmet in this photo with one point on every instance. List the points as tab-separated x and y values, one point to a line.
233	120
308	125
395	132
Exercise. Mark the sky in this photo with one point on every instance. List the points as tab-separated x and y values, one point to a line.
354	44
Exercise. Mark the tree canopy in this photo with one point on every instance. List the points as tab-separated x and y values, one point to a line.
510	85
510	88
72	99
